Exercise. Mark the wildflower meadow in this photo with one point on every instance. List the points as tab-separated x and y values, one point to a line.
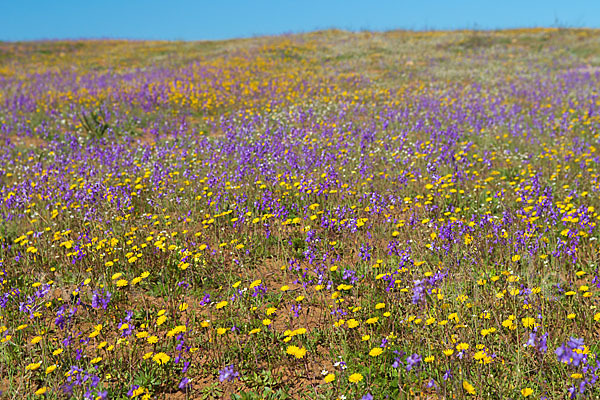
327	215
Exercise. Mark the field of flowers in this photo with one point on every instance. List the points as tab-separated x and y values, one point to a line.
329	215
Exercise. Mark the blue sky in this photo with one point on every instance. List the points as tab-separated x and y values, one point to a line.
221	19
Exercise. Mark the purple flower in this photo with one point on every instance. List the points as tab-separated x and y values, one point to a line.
367	396
228	374
447	375
567	355
574	343
101	299
563	353
413	361
133	389
184	382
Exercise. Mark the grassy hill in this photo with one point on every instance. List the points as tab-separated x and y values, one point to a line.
324	215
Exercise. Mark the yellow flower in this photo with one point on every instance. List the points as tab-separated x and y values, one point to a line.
526	392
33	366
41	391
271	310
136	280
468	388
178	329
221	331
352	323
255	283
375	351
448	352
329	378
50	369
355	378
365	338
296	351
379	306
161	320
300	353
462	346
266	322
152	340
161	358
221	304
528	322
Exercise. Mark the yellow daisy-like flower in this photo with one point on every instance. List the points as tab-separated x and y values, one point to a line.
41	391
329	378
50	369
221	304
161	358
355	378
462	346
271	310
352	323
33	366
298	352
526	392
375	351
469	388
528	322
